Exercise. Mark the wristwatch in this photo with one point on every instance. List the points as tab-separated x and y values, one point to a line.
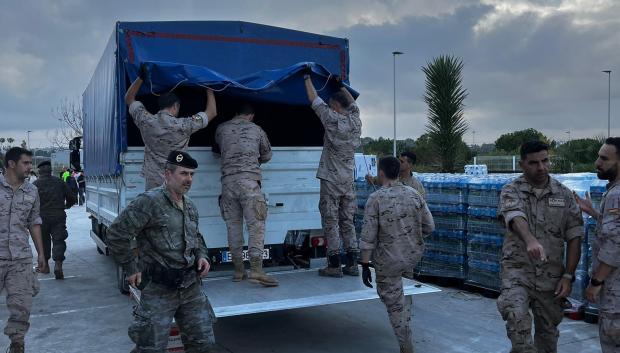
569	276
595	282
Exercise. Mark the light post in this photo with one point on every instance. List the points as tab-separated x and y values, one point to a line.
28	139
394	54
608	72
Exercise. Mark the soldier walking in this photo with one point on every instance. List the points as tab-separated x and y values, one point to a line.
396	221
541	215
55	197
19	220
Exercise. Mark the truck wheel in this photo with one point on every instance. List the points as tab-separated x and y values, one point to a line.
121	279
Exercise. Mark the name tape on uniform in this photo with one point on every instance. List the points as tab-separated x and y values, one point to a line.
557	202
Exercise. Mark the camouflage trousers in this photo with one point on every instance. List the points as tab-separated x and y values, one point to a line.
54	233
515	303
609	332
21	284
243	199
189	307
390	290
337	205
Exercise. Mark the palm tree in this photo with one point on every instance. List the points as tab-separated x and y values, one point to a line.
444	96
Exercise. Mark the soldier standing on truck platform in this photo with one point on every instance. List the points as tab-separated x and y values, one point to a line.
396	221
19	219
605	279
172	258
337	203
244	146
540	215
55	197
164	131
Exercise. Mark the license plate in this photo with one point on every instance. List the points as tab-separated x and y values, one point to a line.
227	256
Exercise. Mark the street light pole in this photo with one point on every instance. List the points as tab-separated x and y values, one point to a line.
608	72
28	139
394	53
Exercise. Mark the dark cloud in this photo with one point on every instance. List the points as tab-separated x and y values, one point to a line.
530	64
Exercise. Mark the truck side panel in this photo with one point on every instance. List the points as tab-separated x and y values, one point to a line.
101	117
289	183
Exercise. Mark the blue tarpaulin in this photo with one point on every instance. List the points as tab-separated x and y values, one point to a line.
248	60
278	86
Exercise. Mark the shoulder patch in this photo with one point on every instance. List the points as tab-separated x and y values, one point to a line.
510	203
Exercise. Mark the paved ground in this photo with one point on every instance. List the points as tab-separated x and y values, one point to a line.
85	313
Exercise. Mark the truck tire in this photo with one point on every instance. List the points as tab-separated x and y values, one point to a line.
121	280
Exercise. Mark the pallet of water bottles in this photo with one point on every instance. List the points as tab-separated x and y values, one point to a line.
445	253
363	190
590	309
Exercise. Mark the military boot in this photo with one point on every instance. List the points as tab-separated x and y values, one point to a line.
257	275
58	270
333	268
406	348
351	268
239	274
16	347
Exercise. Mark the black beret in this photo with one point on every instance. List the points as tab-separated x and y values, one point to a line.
44	163
182	159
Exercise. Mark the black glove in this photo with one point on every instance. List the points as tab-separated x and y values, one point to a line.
336	81
144	72
366	275
307	70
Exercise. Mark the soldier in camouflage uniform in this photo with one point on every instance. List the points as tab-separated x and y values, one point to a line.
164	131
244	146
605	277
19	220
55	197
396	221
172	256
337	203
540	215
407	160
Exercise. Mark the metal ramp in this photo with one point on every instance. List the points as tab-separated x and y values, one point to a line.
298	289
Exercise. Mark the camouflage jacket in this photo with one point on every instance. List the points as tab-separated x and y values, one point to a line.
606	248
553	217
55	197
163	133
244	146
415	183
396	221
165	233
19	211
342	137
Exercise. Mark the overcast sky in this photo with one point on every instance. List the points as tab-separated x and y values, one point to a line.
527	63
